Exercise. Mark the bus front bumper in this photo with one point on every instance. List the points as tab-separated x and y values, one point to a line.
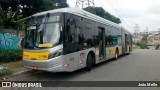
52	69
51	65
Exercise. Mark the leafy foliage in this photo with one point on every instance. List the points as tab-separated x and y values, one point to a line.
102	13
157	47
6	72
60	3
10	55
17	9
1	17
143	43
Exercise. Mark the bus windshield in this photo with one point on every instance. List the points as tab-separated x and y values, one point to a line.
43	32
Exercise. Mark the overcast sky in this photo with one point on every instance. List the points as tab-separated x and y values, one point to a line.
145	13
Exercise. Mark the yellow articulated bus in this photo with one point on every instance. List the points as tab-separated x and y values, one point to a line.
68	39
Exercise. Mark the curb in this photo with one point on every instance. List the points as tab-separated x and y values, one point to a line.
18	74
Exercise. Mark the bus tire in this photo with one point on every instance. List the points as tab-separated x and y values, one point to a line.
116	54
89	63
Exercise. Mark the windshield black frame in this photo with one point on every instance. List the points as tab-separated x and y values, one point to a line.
38	28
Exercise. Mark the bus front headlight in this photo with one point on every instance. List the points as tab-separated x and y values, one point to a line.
55	54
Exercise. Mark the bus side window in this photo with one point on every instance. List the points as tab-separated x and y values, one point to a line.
115	40
106	40
72	31
110	40
67	31
119	40
75	32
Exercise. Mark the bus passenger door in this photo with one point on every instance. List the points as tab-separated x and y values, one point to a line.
102	50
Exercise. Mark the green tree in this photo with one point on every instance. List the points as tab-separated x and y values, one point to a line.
30	7
17	9
144	38
143	43
60	3
8	17
102	13
1	17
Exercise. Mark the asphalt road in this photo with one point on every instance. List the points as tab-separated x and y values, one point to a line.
140	65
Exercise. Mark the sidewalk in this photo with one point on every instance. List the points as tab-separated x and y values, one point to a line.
14	69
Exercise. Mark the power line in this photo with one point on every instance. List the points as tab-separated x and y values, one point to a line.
105	6
111	4
127	11
82	3
121	11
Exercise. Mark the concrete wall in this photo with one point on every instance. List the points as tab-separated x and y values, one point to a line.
11	39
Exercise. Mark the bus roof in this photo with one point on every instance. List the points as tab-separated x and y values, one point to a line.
80	12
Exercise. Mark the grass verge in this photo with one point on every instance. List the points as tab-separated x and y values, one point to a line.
12	68
6	72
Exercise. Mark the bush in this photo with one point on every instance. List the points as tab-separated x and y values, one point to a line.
10	55
143	45
157	46
6	72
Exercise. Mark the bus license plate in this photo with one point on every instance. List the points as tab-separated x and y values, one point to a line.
35	55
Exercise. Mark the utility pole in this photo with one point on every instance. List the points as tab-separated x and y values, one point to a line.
136	32
84	3
147	31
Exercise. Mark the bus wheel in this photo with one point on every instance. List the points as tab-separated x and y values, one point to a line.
116	55
89	63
